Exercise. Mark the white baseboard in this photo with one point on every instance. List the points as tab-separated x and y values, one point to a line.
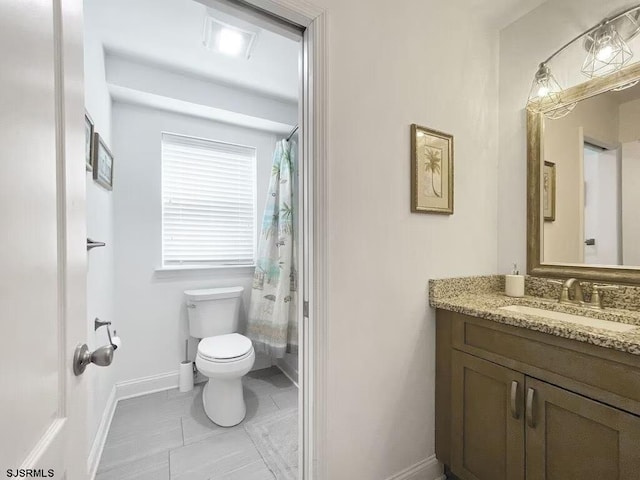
427	469
289	370
122	391
101	435
146	385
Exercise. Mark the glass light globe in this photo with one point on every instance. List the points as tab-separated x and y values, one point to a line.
608	52
545	91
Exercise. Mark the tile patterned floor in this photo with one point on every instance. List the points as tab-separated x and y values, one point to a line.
167	436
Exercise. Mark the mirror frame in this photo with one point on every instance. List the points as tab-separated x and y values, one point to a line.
535	131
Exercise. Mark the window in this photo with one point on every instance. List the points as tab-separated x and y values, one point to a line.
208	202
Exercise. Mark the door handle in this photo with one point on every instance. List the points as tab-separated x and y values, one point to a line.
102	356
530	398
82	357
514	400
93	244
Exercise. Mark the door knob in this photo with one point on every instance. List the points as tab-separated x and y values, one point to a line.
102	356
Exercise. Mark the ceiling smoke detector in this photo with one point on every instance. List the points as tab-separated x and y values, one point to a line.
222	37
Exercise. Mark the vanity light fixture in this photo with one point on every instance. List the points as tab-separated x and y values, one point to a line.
607	52
545	90
626	85
560	111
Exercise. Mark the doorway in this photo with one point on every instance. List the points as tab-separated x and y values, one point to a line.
602	205
199	106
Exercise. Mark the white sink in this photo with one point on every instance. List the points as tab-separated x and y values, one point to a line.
567	317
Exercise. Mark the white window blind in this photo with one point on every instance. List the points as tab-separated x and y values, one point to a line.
208	202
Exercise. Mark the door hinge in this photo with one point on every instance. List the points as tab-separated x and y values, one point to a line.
305	309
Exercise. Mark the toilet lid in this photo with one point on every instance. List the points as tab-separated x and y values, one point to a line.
224	347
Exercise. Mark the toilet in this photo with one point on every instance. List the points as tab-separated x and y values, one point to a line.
224	356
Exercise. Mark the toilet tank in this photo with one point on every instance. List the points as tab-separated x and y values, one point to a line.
213	311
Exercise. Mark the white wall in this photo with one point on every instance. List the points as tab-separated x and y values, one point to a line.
630	137
630	121
630	202
523	45
391	64
157	81
150	306
99	227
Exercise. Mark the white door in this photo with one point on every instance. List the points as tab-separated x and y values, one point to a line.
42	256
601	206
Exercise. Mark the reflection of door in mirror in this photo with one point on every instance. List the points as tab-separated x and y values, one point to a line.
596	152
602	235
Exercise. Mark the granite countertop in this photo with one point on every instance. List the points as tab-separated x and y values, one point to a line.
483	296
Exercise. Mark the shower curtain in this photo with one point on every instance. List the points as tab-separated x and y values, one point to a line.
272	320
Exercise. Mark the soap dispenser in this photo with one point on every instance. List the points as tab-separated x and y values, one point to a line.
514	283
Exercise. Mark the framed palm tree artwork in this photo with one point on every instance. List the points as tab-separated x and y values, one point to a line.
431	171
549	191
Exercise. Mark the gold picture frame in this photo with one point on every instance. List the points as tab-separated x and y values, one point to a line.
431	171
549	191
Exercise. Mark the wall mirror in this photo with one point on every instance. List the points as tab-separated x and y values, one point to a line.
583	181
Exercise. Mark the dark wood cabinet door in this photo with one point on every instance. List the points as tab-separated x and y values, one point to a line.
569	436
487	411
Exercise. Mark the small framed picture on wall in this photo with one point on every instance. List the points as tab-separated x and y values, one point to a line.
88	141
549	191
102	163
431	171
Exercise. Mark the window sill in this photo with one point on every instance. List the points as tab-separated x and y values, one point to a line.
191	270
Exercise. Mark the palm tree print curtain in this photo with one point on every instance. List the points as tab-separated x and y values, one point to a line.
272	323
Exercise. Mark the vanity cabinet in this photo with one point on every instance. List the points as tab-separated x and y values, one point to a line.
487	429
502	417
570	436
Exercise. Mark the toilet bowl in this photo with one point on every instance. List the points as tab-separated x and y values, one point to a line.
224	356
225	359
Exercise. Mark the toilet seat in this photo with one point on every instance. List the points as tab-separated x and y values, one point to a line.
232	347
